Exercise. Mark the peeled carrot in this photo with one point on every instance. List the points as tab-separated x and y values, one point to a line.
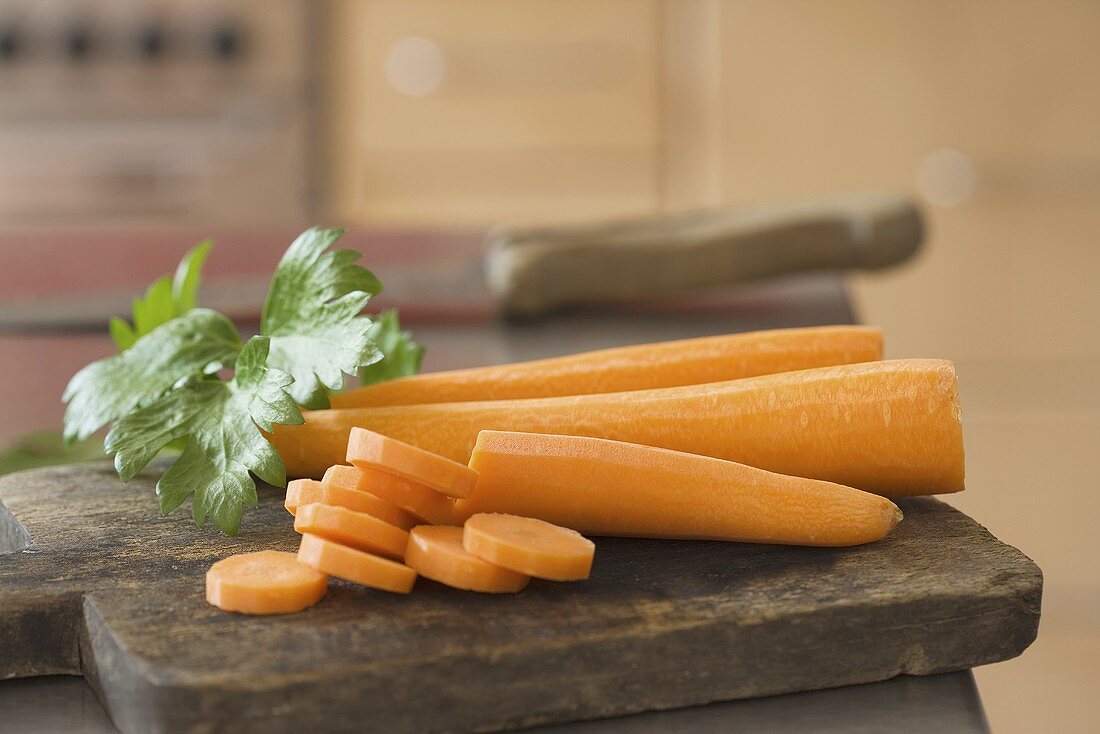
347	478
355	565
641	367
436	552
264	582
529	546
890	427
307	491
603	487
370	450
355	529
423	502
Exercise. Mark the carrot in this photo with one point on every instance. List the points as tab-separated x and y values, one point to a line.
370	450
264	582
355	529
436	552
606	487
641	367
423	502
529	546
355	565
346	478
307	491
889	427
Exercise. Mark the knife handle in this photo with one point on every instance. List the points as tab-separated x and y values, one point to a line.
532	271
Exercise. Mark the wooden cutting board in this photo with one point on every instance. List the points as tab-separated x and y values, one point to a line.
93	582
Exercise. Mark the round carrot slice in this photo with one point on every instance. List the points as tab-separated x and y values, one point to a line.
436	552
370	450
356	529
422	501
264	582
529	546
354	565
307	491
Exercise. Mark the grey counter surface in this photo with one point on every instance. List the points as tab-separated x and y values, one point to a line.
945	704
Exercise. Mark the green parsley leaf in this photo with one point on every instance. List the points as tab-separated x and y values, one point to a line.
201	341
402	355
121	333
164	300
221	422
162	391
313	316
185	285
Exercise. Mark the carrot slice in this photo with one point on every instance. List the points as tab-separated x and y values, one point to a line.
641	367
370	450
342	475
355	565
307	491
264	582
436	552
355	529
424	502
529	546
347	478
602	487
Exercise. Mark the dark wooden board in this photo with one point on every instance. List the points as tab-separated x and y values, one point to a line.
94	582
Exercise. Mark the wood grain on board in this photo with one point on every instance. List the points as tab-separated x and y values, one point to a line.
95	582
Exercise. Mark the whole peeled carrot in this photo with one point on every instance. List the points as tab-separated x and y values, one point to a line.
889	427
641	367
602	487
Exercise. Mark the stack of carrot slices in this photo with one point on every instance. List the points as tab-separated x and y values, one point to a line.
386	519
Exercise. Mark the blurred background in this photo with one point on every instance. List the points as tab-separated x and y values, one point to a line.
129	130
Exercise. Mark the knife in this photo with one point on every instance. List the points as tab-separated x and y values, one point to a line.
537	270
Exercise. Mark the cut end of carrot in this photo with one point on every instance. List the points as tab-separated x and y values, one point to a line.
264	582
354	565
529	546
437	553
367	449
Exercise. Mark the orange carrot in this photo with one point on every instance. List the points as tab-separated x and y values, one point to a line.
423	502
641	367
606	487
307	491
370	450
529	546
355	565
355	529
264	582
889	427
436	552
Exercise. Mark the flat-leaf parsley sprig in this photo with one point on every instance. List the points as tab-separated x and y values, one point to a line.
165	387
